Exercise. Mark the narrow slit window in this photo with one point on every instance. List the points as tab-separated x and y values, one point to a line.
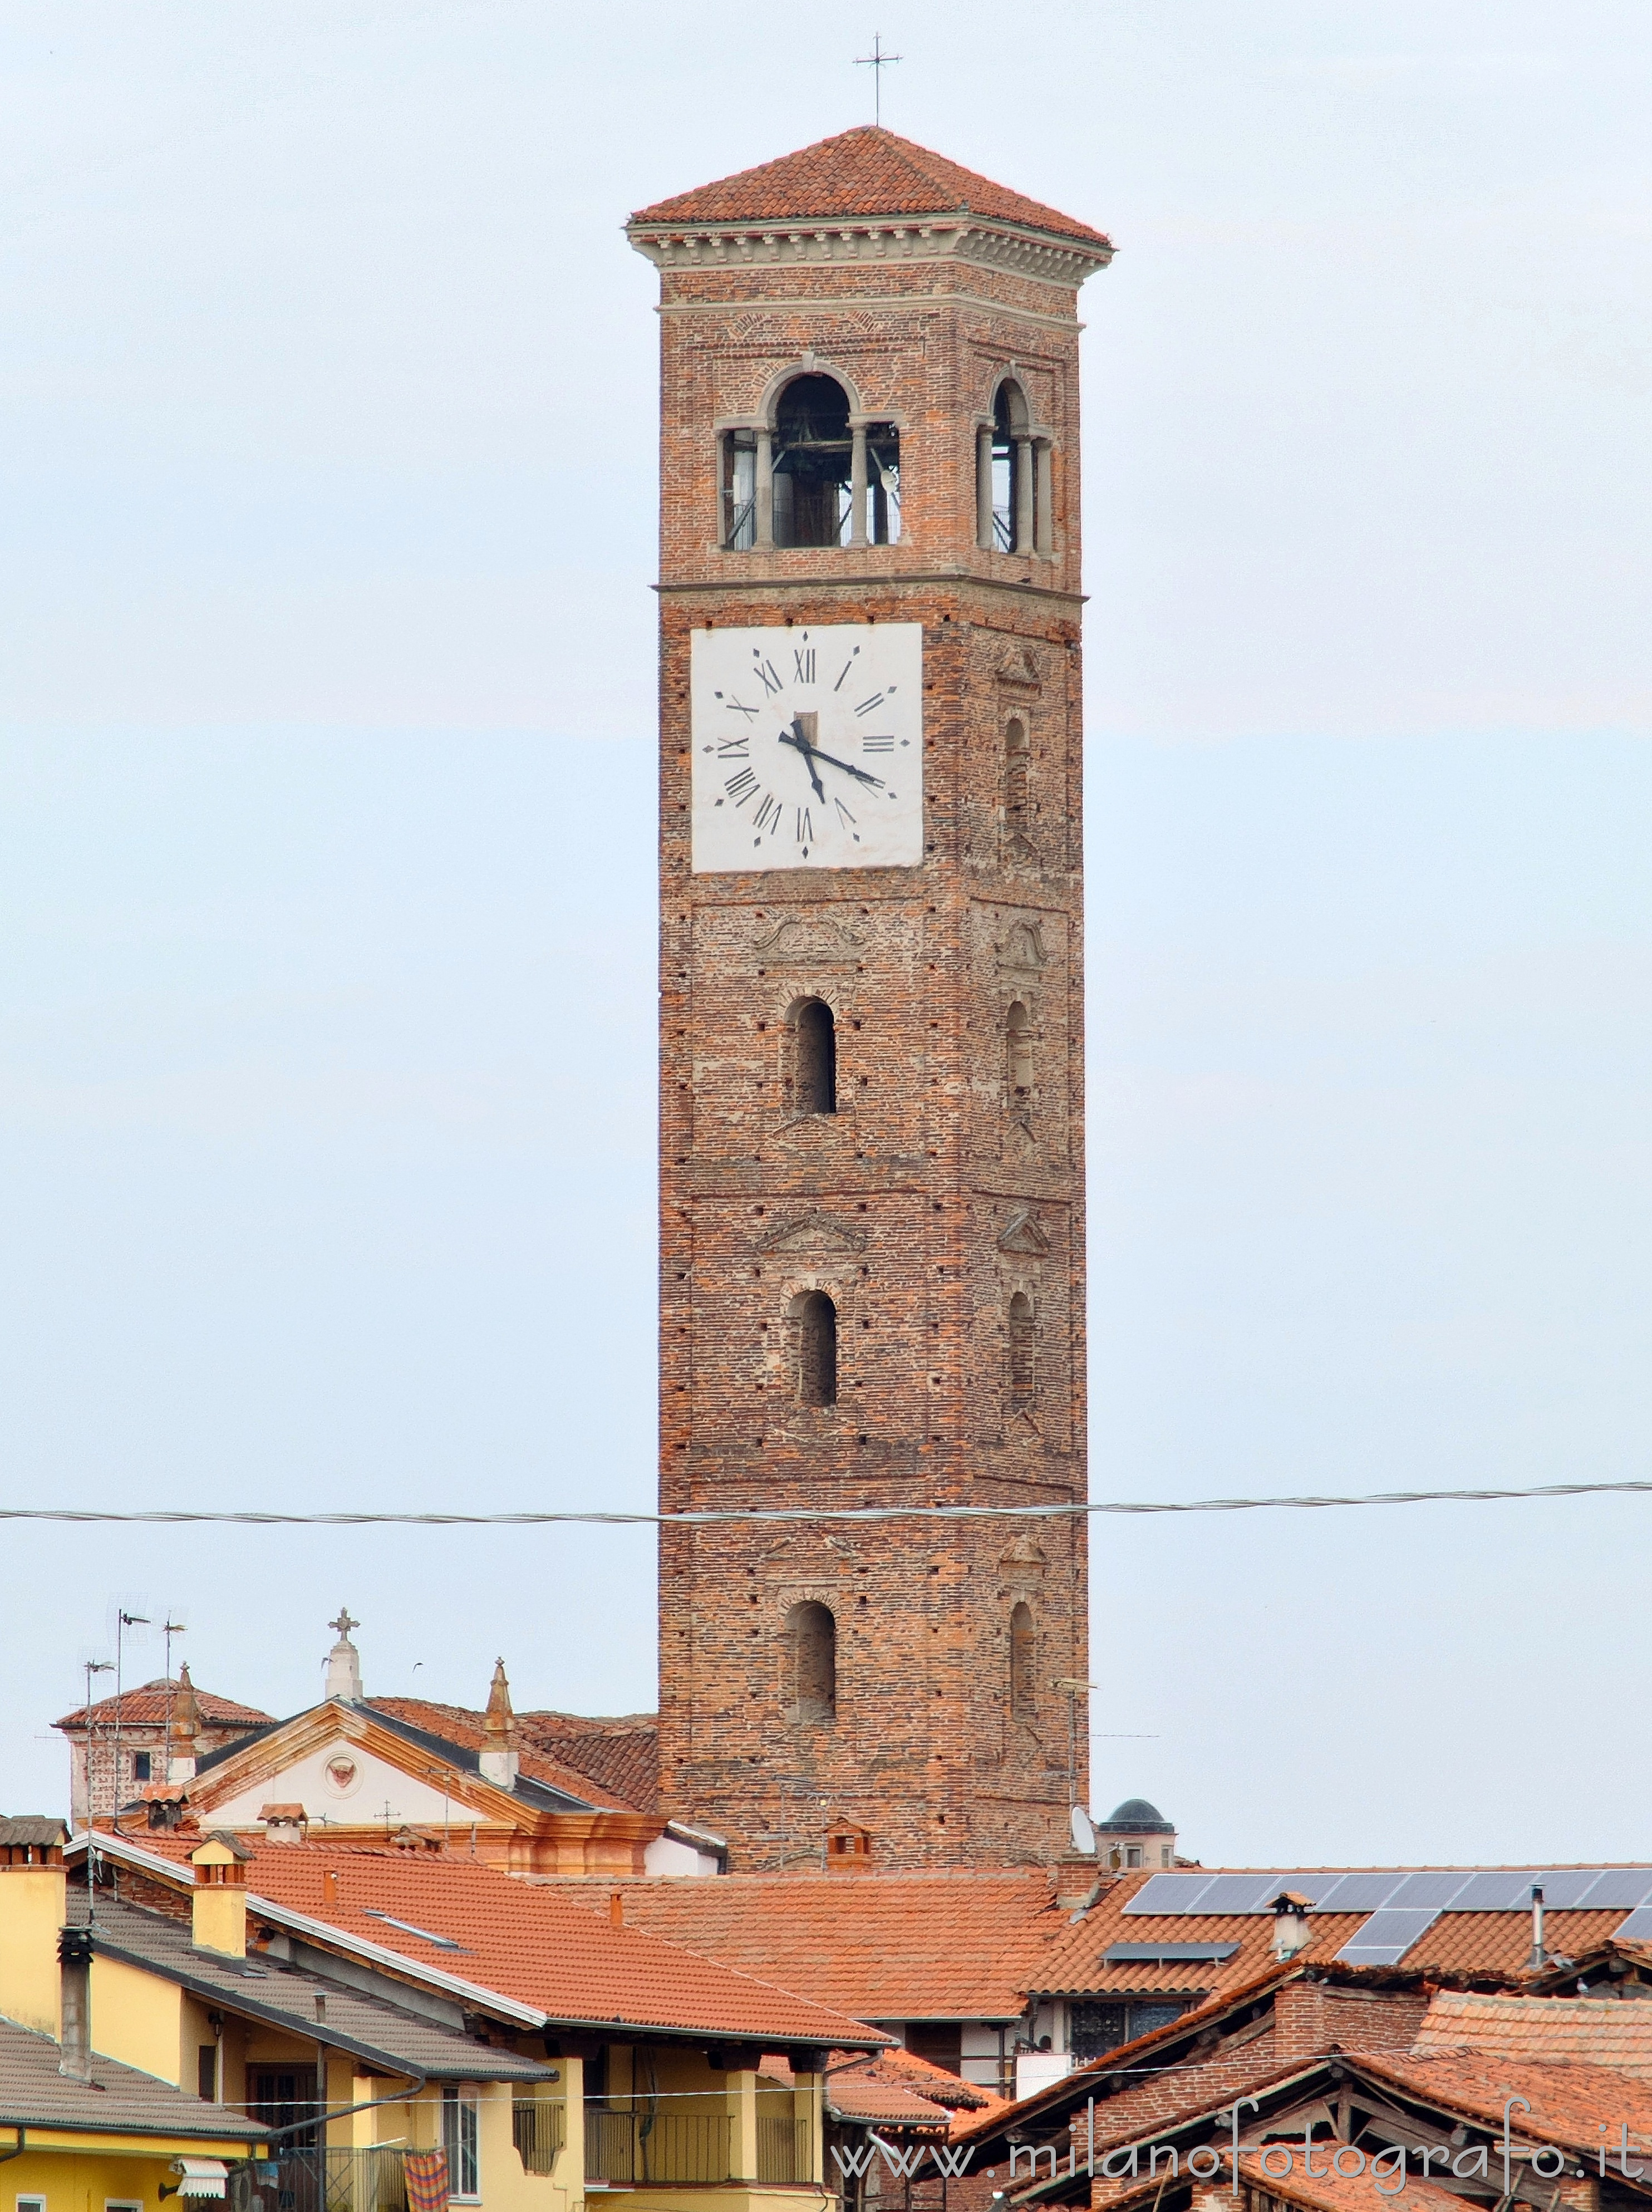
811	1663
1022	1375
1011	460
815	1034
1021	1663
740	490
1018	1052
1017	767
817	1320
883	484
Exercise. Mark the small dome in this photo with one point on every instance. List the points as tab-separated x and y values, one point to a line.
1136	1817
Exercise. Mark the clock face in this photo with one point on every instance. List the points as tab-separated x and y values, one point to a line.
808	747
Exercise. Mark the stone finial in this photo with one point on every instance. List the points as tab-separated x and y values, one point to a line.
344	1662
183	1730
499	1760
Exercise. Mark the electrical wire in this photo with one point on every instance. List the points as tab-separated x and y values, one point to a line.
169	1516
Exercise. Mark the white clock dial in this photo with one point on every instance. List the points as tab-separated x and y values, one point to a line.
808	747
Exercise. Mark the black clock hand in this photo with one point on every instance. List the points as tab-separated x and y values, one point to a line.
848	768
795	738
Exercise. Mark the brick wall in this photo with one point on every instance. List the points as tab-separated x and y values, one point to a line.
933	1195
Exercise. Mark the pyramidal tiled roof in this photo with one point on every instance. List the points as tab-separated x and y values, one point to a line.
865	172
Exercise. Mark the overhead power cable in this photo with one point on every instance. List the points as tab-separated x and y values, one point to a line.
172	1517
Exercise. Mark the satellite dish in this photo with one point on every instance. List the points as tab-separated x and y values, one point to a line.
1084	1832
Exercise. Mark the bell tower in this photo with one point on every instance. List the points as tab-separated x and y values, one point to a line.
871	1010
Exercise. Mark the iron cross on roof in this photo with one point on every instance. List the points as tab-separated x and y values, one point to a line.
343	1623
877	61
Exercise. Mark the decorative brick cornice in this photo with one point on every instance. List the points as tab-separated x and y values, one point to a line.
869	239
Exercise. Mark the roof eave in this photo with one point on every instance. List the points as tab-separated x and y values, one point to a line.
677	241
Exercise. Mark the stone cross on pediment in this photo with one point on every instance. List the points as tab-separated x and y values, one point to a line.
343	1623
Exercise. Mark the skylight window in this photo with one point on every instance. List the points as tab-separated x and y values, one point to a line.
442	1943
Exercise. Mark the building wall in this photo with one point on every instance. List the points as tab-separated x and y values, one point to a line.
928	1173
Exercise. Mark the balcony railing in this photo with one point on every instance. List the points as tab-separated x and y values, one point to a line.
320	2181
676	2146
538	2129
785	2148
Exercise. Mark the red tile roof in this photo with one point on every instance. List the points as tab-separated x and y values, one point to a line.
516	1941
865	172
939	1946
1600	2032
457	1724
1501	1943
151	1703
1568	2100
1334	2192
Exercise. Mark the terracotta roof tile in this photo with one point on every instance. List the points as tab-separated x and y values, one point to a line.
1568	2100
149	1705
1334	2192
865	172
457	1724
937	1945
1501	1943
520	1942
1077	1961
1599	2031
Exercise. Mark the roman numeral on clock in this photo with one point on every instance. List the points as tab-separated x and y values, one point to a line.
866	705
803	665
742	786
769	812
764	672
805	830
878	745
735	749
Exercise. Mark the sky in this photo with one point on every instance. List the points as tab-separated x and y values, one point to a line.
327	514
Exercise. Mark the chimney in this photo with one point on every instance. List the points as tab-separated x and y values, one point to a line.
34	1905
1539	1958
344	1662
616	1908
1291	1933
75	1969
499	1760
218	1908
182	1729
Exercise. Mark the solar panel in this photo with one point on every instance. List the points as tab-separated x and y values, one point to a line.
1171	1892
1242	1892
1359	1893
1565	1892
1385	1937
1435	1888
1619	1889
1638	1926
1499	1891
1167	1955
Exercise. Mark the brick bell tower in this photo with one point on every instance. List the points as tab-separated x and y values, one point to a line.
872	1014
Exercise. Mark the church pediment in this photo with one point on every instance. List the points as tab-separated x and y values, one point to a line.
813	1232
1022	1233
810	943
1021	949
1018	668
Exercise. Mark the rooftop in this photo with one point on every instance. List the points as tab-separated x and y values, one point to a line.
464	1921
117	2101
866	172
149	1705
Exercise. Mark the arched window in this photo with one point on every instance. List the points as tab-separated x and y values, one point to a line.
1022	1675
1022	1349
815	1039
813	462
810	1663
1019	1051
828	479
1013	481
1017	765
817	1320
